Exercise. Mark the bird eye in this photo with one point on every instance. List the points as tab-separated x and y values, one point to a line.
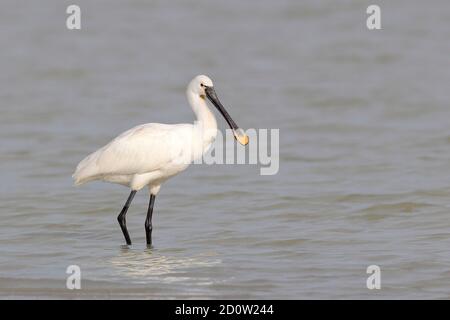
202	85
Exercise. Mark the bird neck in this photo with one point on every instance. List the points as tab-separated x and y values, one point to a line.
205	118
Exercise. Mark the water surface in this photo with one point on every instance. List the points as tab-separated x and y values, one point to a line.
364	125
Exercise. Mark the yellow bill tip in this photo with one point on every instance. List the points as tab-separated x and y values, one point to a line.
241	137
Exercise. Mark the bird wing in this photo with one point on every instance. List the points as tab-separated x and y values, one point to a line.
142	149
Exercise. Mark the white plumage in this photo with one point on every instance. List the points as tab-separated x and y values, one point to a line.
140	156
149	154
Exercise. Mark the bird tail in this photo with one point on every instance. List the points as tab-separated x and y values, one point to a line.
78	178
77	181
86	170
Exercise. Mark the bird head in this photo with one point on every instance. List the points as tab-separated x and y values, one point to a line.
202	86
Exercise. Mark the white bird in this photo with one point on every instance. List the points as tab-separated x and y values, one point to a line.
149	154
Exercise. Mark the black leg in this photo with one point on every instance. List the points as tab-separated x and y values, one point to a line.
121	217
148	220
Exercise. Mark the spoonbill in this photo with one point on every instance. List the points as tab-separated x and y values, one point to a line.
149	154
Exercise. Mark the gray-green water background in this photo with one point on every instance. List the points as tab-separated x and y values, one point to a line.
364	121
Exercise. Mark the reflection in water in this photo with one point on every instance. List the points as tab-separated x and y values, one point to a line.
150	265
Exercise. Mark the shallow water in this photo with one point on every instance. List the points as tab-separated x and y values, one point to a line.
364	127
